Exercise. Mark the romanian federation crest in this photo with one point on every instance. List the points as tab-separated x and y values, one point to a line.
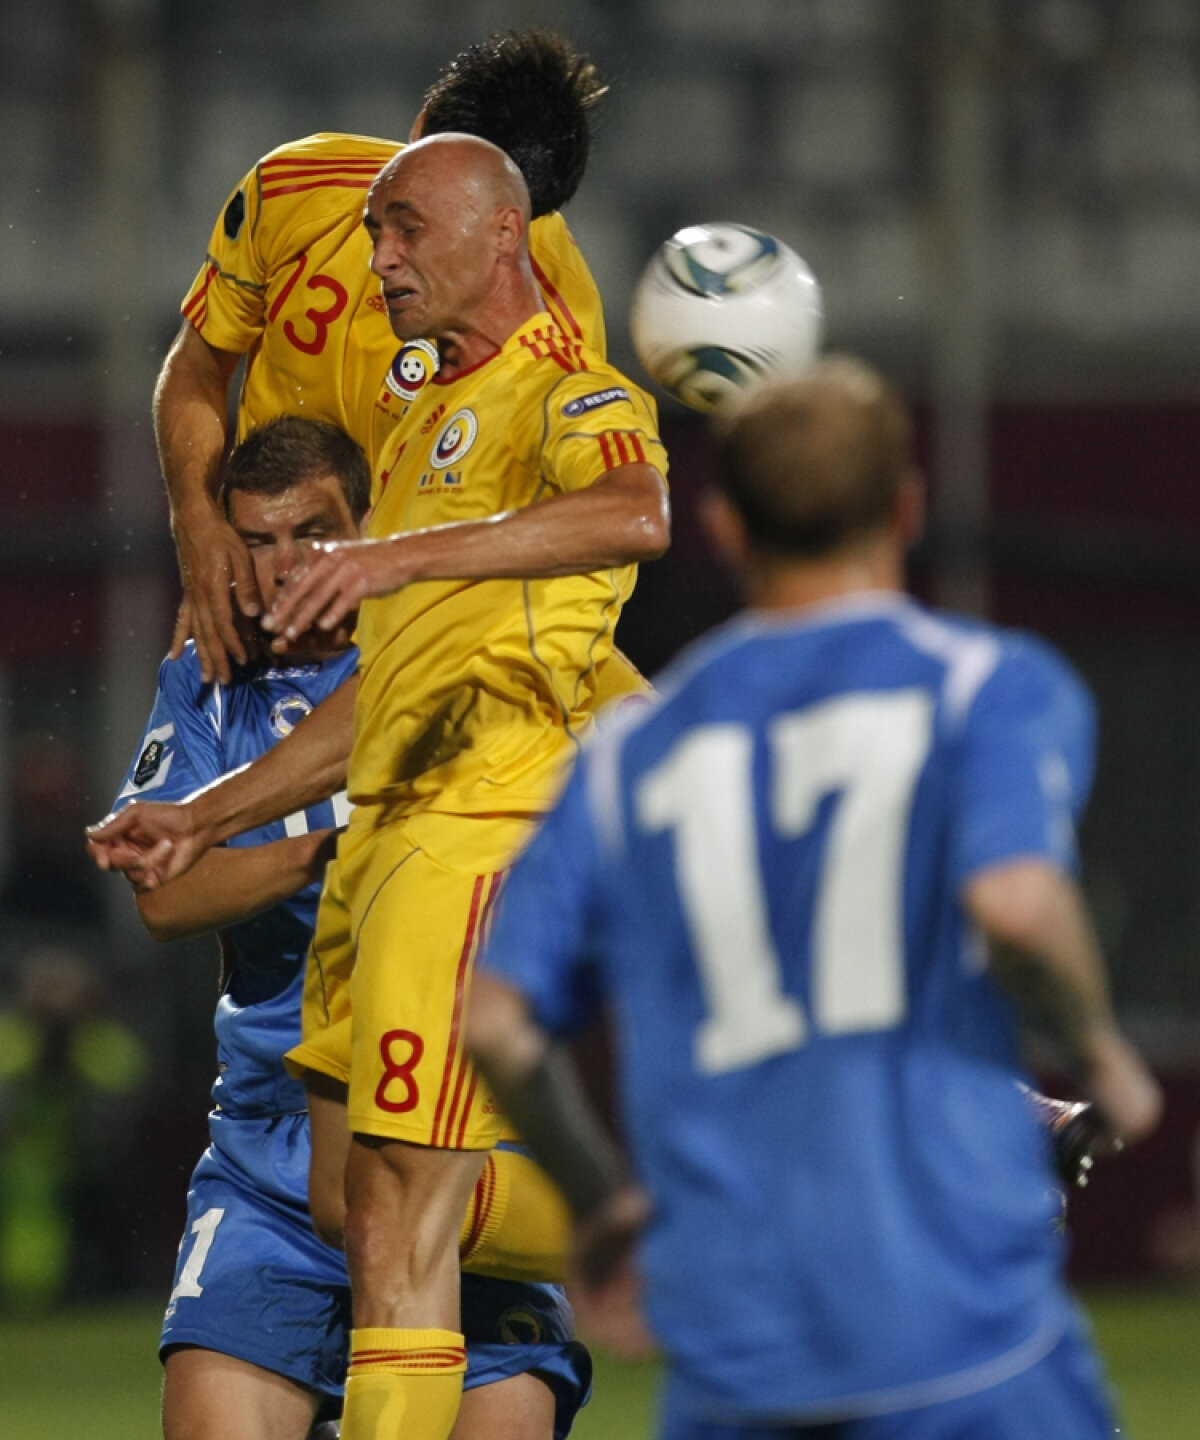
456	437
412	369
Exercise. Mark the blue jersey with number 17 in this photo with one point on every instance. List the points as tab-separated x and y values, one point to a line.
196	733
762	875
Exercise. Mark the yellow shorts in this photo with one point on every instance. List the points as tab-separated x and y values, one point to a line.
403	916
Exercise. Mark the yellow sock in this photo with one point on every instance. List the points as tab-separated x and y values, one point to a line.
518	1226
403	1383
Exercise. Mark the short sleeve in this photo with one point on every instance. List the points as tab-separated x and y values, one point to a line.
1027	762
544	935
181	748
227	299
596	421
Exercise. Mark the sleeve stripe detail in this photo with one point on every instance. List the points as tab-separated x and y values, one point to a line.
554	296
196	309
621	447
361	184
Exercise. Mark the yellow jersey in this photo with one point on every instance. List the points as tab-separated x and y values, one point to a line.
472	694
287	283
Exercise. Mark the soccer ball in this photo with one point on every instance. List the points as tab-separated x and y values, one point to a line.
722	304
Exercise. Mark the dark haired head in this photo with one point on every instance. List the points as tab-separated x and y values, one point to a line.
817	462
529	93
285	452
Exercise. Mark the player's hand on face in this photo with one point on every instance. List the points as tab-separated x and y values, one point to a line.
325	590
216	569
149	841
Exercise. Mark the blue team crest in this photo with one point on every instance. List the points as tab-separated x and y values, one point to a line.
456	438
287	713
412	369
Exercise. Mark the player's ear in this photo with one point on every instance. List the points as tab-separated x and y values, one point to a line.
418	128
725	528
511	229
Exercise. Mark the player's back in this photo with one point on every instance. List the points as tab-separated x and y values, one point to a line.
818	1072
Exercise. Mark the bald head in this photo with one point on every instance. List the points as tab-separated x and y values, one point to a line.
818	462
466	168
449	221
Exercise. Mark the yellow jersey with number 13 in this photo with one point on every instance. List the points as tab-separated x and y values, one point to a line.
288	283
472	694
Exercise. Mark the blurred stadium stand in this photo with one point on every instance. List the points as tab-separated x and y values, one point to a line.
1002	201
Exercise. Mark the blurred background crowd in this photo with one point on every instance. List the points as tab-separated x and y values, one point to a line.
1001	199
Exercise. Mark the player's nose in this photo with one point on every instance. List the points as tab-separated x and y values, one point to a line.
384	257
287	557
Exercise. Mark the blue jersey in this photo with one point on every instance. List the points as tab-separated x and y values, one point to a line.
761	874
196	733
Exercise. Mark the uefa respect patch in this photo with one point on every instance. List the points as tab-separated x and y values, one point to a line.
585	404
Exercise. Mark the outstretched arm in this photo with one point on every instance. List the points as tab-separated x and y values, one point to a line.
1044	953
155	842
227	886
622	519
190	409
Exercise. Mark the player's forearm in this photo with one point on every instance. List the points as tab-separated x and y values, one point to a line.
623	519
190	410
1044	953
229	886
539	1090
306	767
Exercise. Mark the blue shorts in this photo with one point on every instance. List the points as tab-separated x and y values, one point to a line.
1062	1397
254	1281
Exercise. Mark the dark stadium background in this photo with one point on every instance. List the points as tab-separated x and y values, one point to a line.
1002	201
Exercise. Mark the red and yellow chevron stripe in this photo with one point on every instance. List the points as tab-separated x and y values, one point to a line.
551	344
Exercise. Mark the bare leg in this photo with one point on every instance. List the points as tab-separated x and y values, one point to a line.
330	1152
520	1408
210	1396
405	1208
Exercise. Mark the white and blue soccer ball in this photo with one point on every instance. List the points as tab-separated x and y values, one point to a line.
720	305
